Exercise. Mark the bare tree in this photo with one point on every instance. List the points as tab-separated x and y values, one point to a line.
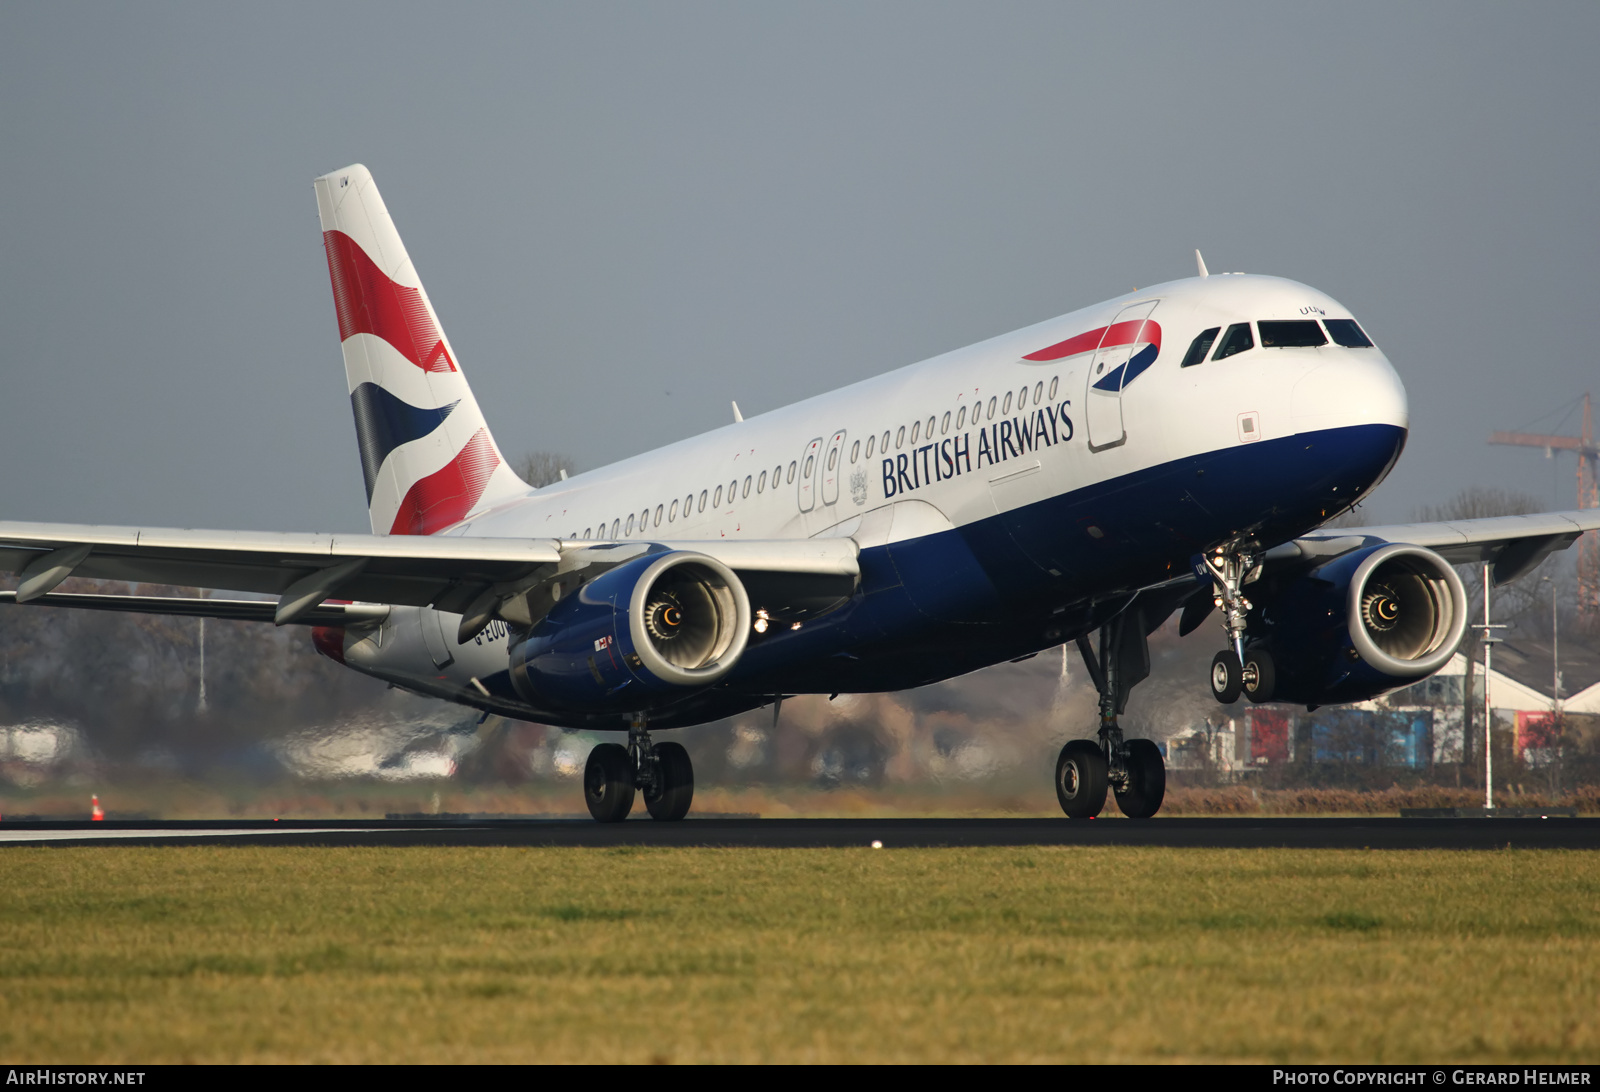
540	468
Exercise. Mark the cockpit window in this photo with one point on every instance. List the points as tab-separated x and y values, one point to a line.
1200	346
1344	331
1294	333
1236	340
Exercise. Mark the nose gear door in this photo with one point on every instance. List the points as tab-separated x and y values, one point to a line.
1109	373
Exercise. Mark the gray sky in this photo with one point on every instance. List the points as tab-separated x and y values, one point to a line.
627	214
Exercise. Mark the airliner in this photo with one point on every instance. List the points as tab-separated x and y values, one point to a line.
1179	449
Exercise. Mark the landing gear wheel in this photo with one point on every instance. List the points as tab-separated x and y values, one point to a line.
1081	779
608	783
1147	780
668	799
1227	676
1259	676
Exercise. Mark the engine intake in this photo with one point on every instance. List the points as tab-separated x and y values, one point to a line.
1407	610
689	618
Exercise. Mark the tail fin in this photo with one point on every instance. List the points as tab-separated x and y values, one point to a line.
426	452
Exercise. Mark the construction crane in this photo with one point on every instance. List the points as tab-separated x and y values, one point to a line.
1588	497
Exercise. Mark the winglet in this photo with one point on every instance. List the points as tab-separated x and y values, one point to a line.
1201	262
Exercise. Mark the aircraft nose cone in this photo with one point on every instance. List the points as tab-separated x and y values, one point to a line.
1359	390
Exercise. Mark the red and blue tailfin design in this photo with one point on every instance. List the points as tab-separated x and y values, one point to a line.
427	456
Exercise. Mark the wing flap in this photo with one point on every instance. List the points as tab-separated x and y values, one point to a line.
238	610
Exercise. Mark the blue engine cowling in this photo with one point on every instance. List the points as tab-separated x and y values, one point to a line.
645	634
1363	624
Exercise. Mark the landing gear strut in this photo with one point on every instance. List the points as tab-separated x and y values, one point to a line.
1132	769
1235	671
662	770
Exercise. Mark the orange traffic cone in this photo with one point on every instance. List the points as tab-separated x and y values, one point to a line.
95	814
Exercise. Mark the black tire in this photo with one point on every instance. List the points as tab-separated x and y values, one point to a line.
668	799
608	783
1260	677
1227	676
1147	780
1081	779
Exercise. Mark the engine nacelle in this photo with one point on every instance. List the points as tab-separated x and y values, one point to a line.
1363	624
644	634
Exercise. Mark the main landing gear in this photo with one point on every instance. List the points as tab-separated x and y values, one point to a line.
662	770
1132	768
1237	670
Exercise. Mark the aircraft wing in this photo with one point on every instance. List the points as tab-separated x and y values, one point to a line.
444	571
1515	544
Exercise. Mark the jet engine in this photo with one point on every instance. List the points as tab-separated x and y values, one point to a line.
1365	623
643	635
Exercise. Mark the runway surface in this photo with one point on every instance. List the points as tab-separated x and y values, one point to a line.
1238	833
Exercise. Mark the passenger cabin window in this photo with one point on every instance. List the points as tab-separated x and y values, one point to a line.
930	428
900	438
944	423
659	511
1236	340
884	445
790	478
702	500
833	458
1199	347
961	418
855	451
629	529
1038	392
746	492
1345	332
916	428
761	483
672	513
716	502
991	407
1054	383
616	528
1291	334
1007	407
871	443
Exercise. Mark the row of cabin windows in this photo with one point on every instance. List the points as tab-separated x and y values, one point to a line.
646	519
980	412
669	513
1277	334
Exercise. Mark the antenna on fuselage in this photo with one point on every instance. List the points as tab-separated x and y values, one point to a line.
737	416
1201	262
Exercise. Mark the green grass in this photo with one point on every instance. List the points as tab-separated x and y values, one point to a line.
1037	954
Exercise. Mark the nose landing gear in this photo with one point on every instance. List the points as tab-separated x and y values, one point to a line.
1235	671
614	772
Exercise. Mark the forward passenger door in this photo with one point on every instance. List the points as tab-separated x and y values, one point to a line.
1102	397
